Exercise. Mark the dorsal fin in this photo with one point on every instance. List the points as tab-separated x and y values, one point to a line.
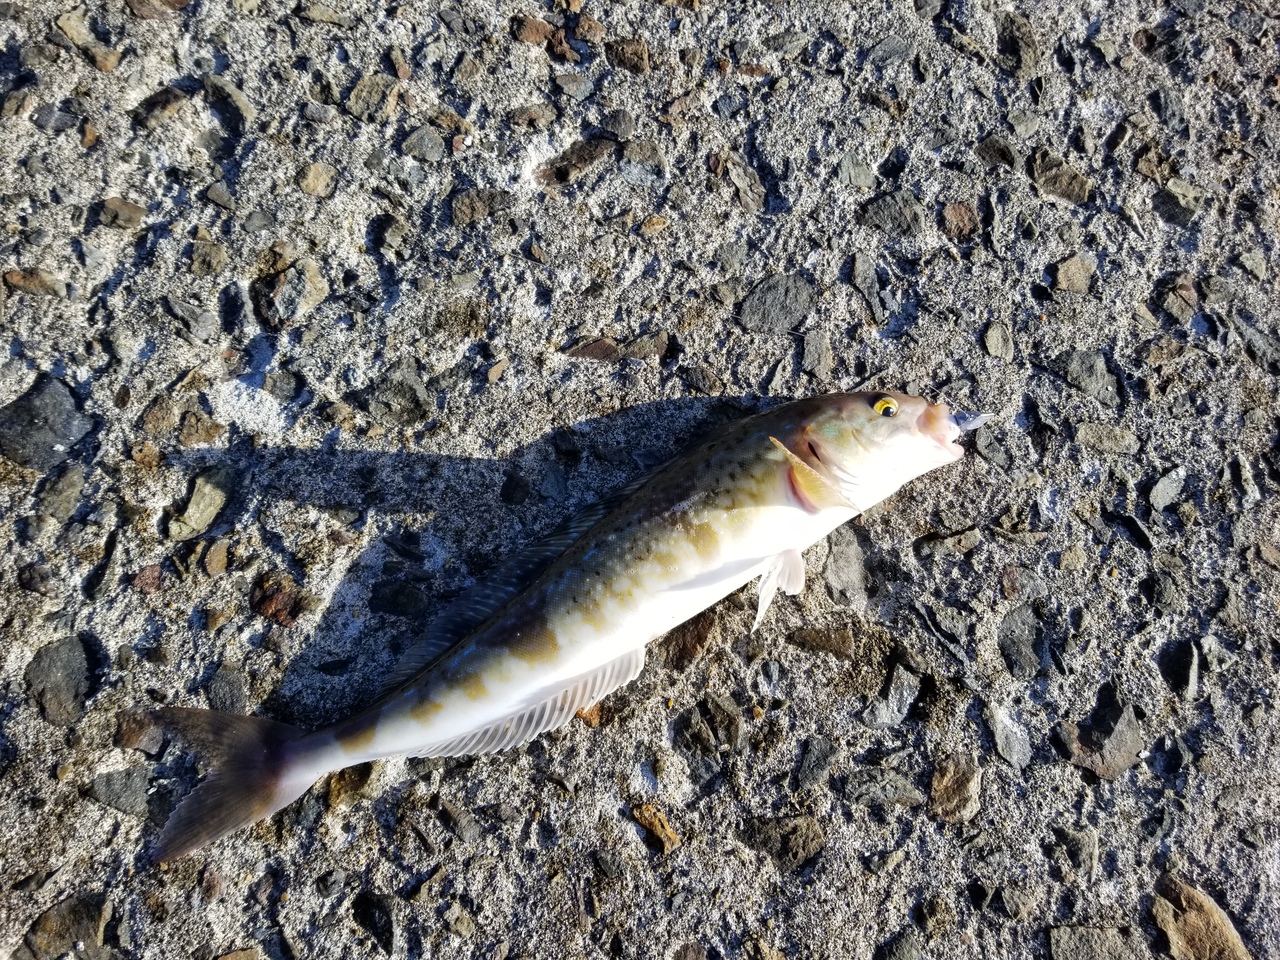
499	586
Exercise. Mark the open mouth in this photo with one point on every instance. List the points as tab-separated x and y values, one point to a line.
945	428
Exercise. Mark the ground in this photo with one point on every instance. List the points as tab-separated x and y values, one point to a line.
313	313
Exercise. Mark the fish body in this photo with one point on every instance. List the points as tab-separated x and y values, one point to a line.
566	621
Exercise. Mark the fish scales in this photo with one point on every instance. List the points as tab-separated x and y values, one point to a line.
740	506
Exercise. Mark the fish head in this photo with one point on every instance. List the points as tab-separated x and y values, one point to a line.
869	444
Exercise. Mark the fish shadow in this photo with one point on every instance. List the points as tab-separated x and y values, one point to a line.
438	523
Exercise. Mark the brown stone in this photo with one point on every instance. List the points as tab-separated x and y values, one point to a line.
118	212
77	30
575	161
470	206
654	820
1058	178
838	640
36	282
216	556
589	30
1197	928
630	55
530	29
373	99
1074	274
277	598
318	180
149	580
590	715
208	258
955	796
535	116
790	841
199	428
155	9
604	349
960	221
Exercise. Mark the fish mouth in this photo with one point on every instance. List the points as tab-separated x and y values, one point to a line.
942	426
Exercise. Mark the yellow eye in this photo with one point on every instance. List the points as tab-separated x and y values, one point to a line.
886	407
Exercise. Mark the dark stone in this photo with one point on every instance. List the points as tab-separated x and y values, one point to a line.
866	280
470	206
892	49
159	108
619	124
629	54
815	763
1019	637
398	599
1058	178
643	164
424	144
58	679
898	213
574	163
39	428
777	304
227	690
790	841
73	927
879	787
1016	45
996	151
905	947
1109	742
372	912
52	120
125	790
1086	370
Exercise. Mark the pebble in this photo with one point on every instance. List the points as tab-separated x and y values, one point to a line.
819	359
996	151
891	709
202	324
49	118
1179	203
424	144
208	258
209	494
1018	637
621	125
631	55
1090	943
998	341
1058	178
39	428
318	180
1196	927
1167	489
220	194
1086	370
838	640
844	570
123	790
373	98
74	927
853	173
777	304
1012	742
61	495
572	164
654	821
907	946
1025	124
955	795
1075	274
159	108
37	282
227	690
897	213
58	680
373	913
74	25
574	86
643	164
243	113
960	221
790	841
892	49
816	761
1106	754
866	280
291	294
319	113
881	788
1017	49
1107	438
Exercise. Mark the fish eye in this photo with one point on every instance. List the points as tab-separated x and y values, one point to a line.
885	406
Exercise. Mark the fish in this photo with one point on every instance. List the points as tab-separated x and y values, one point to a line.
564	622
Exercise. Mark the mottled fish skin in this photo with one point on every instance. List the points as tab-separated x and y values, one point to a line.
739	506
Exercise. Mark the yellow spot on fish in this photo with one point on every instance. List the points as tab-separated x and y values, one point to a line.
474	686
359	738
424	710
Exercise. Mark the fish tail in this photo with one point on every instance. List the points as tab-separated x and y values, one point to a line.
253	772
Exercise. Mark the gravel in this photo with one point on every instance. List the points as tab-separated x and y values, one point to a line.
315	312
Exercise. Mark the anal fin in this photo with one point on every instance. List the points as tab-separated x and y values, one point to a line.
785	571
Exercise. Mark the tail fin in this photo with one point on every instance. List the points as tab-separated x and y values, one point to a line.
248	780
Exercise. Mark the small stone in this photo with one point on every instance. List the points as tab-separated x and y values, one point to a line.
1255	263
209	494
202	324
880	788
890	710
892	49
208	258
74	927
1105	753
999	341
996	151
373	99
227	690
291	294
1074	274
61	496
1086	370
819	359
322	13
74	25
815	763
790	841
1058	178
838	640
226	93
58	680
653	225
1024	123
125	790
37	282
159	108
1090	943
220	194
632	55
319	113
1179	203
458	920
50	119
535	116
373	913
1197	928
461	821
866	281
960	221
655	822
424	144
603	349
589	30
318	180
530	29
1012	742
955	795
149	580
471	206
39	428
398	599
1017	49
576	161
777	304
575	86
643	164
853	173
621	125
199	429
276	597
898	213
1107	438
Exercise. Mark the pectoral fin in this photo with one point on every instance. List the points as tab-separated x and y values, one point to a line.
811	488
786	570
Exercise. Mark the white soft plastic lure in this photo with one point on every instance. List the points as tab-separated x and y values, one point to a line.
565	621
